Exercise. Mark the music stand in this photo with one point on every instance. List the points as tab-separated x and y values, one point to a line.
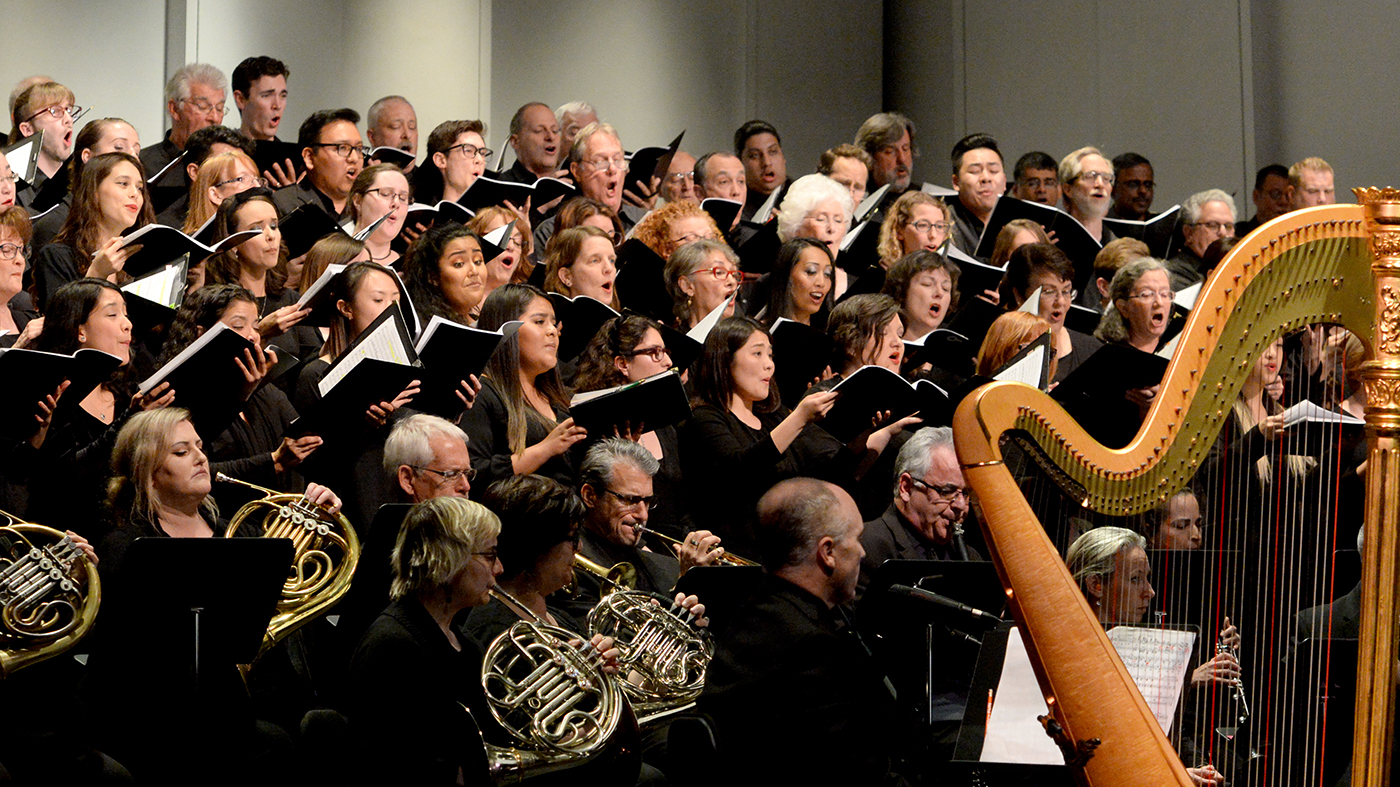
211	598
722	589
369	588
887	617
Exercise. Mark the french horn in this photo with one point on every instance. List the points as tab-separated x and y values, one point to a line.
49	593
664	654
552	698
326	552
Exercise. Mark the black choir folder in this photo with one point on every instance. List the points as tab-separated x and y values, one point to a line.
450	352
800	354
376	368
1070	236
579	317
205	371
648	163
161	244
428	215
31	375
487	191
653	403
874	389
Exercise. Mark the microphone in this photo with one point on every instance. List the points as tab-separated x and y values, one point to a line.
942	601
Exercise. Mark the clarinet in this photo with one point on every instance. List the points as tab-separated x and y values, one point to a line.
959	545
1236	692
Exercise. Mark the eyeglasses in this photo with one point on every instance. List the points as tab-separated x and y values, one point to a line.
491	555
944	491
1147	295
343	149
1050	293
242	180
471	151
205	107
677	177
1035	183
691	238
925	226
1216	226
390	195
720	273
620	164
9	251
57	111
1091	176
448	476
631	501
655	354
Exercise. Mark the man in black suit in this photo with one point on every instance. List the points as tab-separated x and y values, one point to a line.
616	487
924	522
785	670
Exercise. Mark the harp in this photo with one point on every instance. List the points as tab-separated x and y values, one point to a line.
1335	264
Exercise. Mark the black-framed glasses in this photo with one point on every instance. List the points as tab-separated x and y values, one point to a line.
243	180
57	111
491	555
390	195
471	151
944	491
343	149
448	476
924	226
655	354
631	501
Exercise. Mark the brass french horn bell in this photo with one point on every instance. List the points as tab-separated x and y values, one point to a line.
49	593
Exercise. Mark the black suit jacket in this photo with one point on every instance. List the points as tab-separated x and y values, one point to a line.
892	538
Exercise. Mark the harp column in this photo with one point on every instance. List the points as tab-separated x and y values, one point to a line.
1376	667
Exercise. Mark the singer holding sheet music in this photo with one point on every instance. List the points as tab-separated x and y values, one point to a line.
380	190
47	107
514	264
582	261
110	199
68	483
917	222
104	135
520	421
259	264
1043	267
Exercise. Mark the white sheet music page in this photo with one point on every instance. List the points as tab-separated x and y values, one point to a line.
383	344
1013	734
1157	660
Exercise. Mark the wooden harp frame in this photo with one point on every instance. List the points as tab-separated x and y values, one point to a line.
1337	264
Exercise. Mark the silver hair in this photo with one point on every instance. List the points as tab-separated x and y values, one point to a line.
1072	165
1193	205
377	108
410	441
883	129
1092	554
573	108
803	197
686	260
178	88
576	153
1112	327
598	463
916	456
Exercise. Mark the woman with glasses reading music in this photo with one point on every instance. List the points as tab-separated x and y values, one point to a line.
699	277
221	176
1140	307
916	222
1043	267
19	325
110	199
674	225
378	191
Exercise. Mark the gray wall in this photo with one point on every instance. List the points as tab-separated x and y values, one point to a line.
656	67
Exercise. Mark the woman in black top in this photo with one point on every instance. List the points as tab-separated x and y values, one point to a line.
259	264
740	441
1043	267
15	318
252	447
67	489
520	423
800	286
110	198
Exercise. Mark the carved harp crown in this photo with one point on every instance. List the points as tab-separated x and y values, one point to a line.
1308	267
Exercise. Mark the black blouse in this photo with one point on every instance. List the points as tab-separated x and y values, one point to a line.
488	441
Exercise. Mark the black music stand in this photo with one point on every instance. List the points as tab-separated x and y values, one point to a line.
945	632
722	589
369	588
211	598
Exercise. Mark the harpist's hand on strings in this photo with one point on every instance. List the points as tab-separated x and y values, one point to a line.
1205	775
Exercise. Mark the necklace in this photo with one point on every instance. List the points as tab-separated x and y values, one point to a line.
373	258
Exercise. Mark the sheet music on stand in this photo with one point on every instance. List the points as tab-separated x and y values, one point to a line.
1157	659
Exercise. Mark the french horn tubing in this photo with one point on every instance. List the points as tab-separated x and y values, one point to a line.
49	593
323	563
664	654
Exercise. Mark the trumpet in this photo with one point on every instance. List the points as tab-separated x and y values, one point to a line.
622	576
726	558
327	551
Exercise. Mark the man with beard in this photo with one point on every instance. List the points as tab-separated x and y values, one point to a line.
260	93
1205	217
1270	198
889	139
333	154
979	177
1088	187
1133	187
758	145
